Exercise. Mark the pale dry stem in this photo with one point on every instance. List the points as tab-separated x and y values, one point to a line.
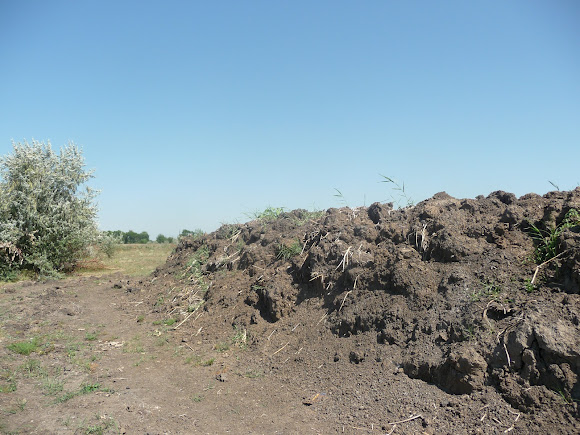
344	299
345	259
544	263
413	417
279	350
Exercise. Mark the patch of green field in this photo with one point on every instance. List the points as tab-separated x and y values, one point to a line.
131	259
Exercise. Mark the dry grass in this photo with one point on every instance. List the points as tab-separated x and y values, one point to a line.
132	259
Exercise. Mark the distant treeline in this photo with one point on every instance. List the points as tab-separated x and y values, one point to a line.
143	237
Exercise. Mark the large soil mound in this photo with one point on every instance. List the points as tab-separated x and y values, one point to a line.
423	319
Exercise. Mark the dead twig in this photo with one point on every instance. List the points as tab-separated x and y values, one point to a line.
413	417
543	264
189	315
517	414
345	259
507	354
279	350
344	299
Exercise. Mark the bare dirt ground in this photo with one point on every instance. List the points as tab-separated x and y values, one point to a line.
367	320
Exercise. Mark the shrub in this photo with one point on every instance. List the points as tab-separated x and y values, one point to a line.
161	239
47	222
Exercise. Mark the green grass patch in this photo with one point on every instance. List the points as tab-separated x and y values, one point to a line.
25	347
130	259
91	336
253	374
7	382
193	270
308	216
222	347
547	239
52	386
84	389
268	215
286	252
240	338
208	362
32	368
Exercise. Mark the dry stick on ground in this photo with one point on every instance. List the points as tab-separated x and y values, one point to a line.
345	259
318	275
544	263
509	429
344	299
190	314
413	417
280	349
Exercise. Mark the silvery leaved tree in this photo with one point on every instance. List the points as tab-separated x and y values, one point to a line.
47	214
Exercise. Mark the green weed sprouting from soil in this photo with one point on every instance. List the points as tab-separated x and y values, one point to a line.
340	197
308	216
91	336
253	374
7	382
84	389
402	195
240	338
193	270
100	428
25	347
469	332
268	215
547	240
530	287
222	347
31	368
491	290
286	252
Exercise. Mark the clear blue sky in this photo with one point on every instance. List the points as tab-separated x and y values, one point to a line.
194	113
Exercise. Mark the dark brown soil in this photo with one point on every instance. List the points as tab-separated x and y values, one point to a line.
367	320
